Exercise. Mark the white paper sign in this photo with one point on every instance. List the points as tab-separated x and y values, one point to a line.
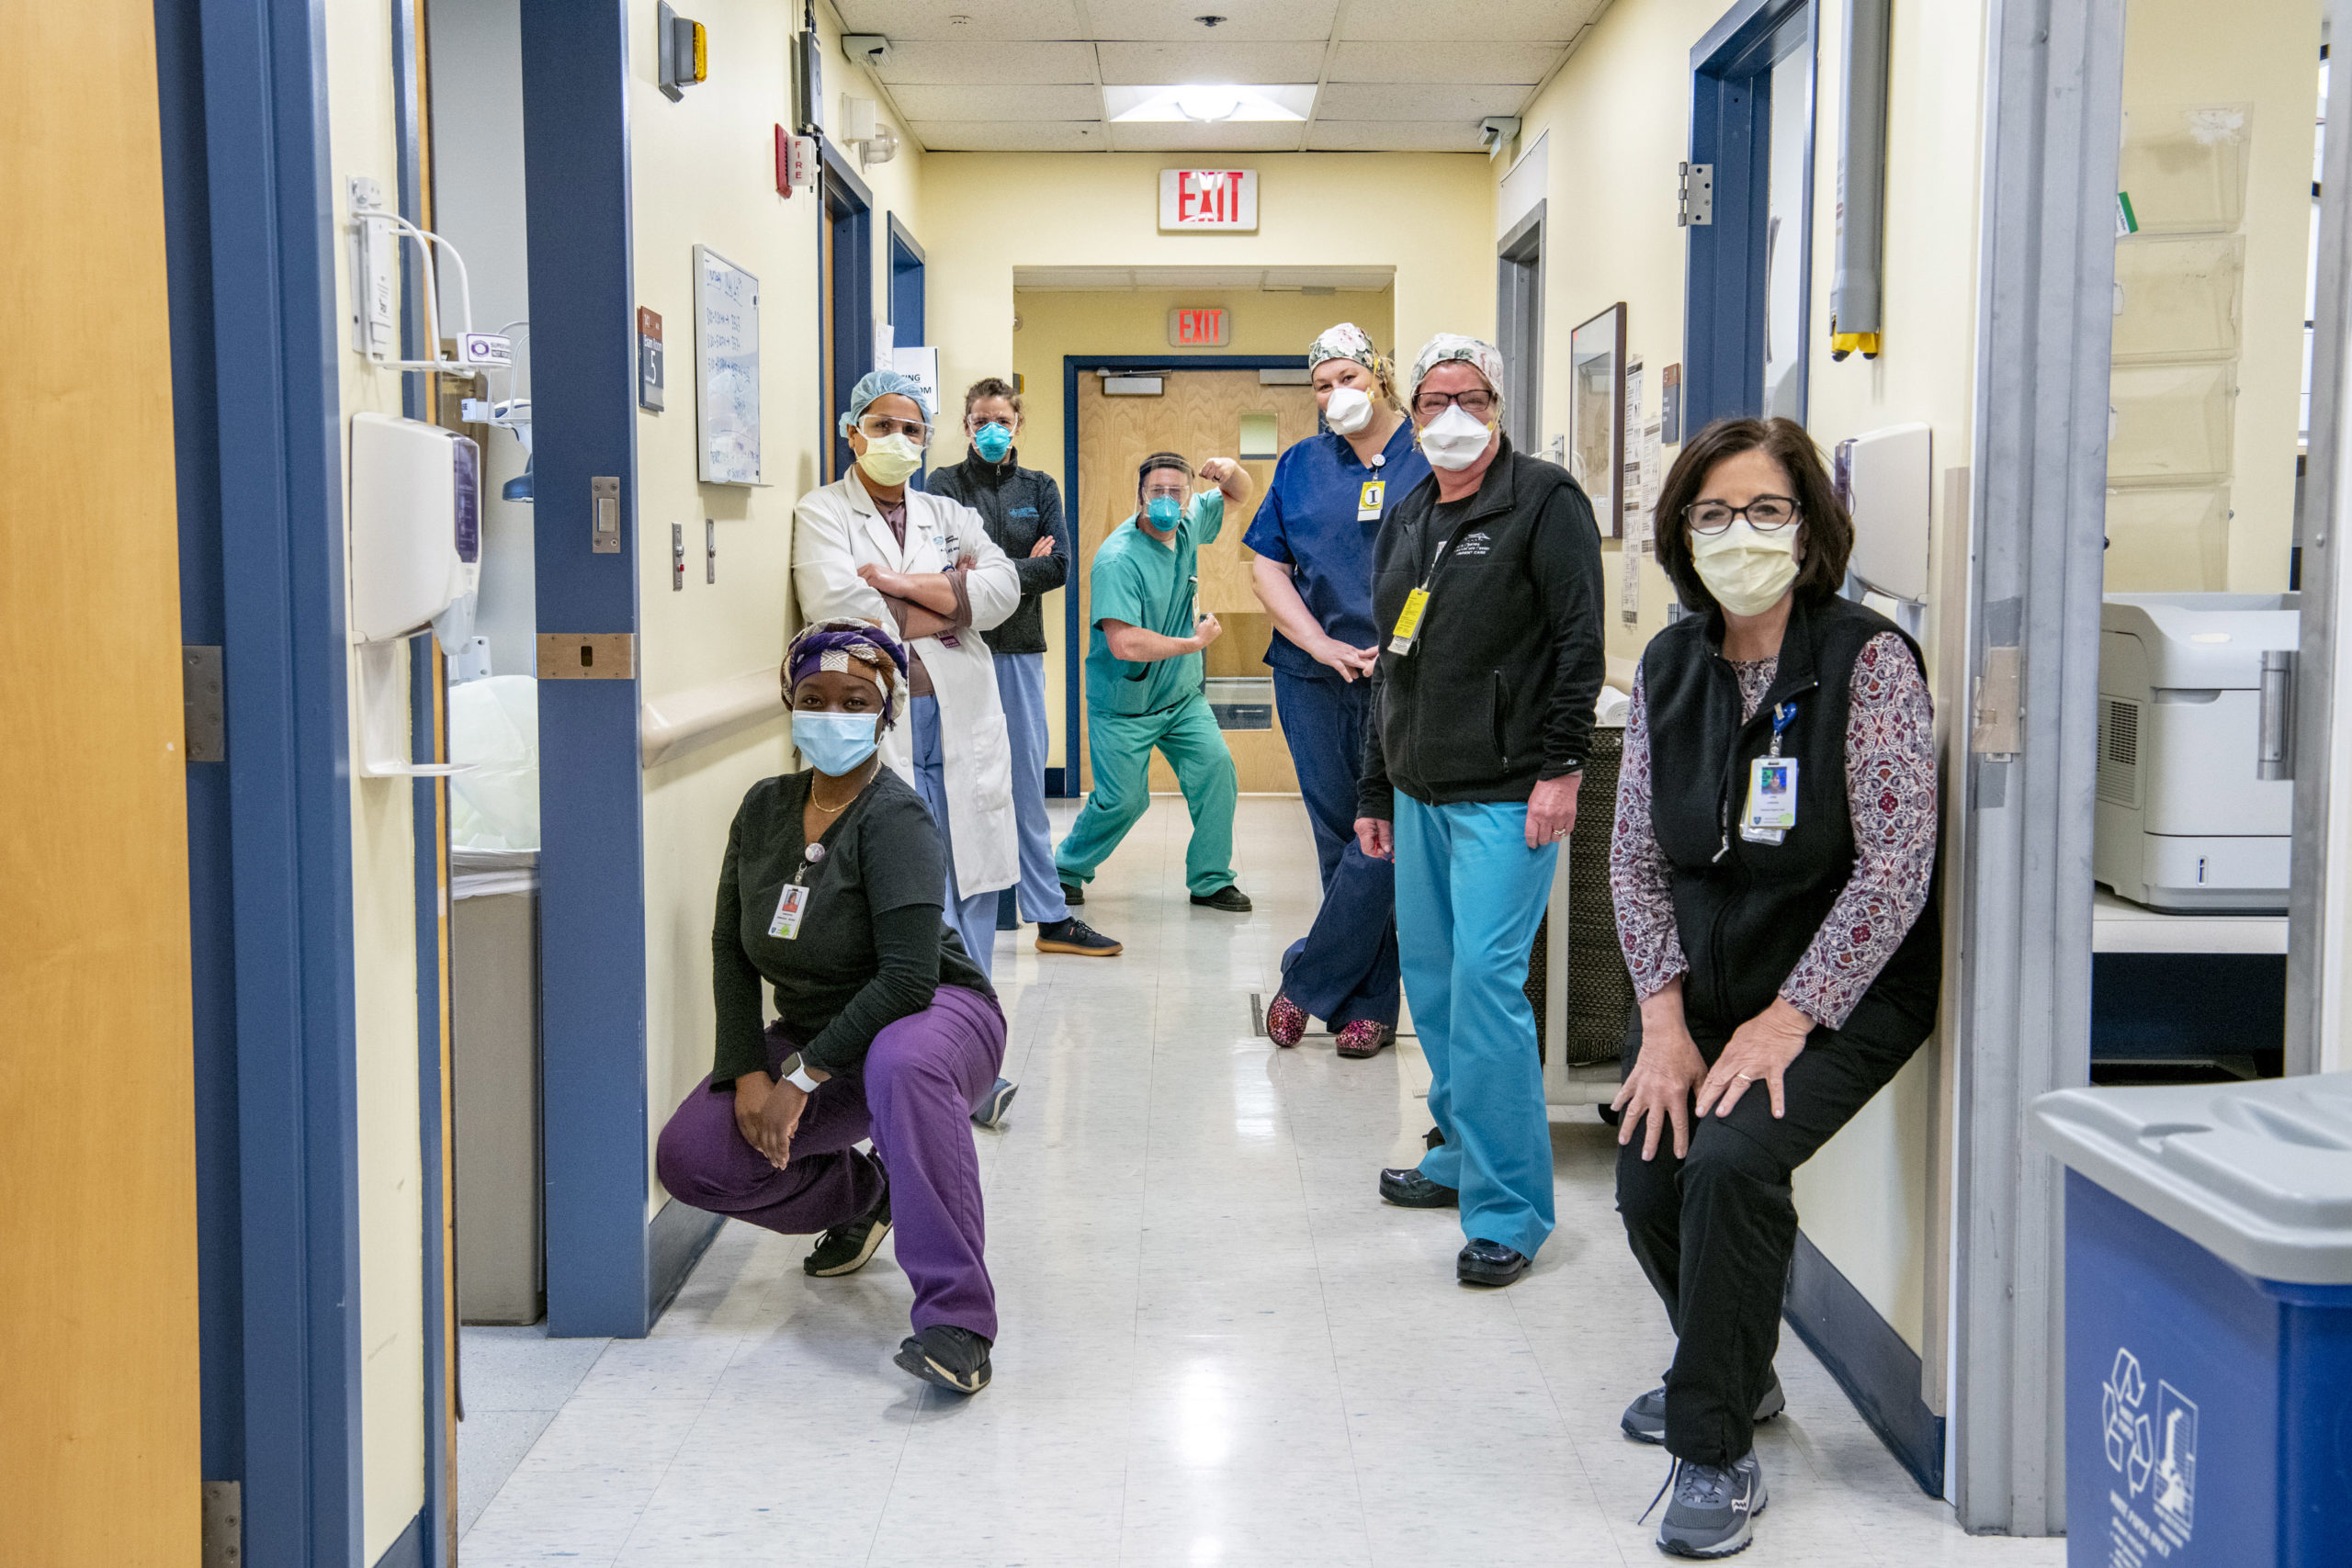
921	365
1208	200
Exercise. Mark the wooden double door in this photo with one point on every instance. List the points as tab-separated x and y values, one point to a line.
1202	413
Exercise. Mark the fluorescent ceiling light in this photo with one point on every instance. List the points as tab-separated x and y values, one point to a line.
1208	103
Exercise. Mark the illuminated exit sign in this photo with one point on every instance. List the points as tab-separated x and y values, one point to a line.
1199	329
1209	200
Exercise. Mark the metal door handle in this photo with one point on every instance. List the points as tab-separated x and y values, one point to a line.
2274	747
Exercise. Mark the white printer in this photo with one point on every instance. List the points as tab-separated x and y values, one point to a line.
2194	695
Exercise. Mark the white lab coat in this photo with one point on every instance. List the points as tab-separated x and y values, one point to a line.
838	529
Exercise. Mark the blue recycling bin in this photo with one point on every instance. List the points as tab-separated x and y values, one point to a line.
2209	1323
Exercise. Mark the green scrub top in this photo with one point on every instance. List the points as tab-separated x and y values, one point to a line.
1137	579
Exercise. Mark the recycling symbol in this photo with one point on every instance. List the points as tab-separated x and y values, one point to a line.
2131	1437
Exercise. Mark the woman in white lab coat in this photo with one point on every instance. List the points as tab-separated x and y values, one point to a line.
866	547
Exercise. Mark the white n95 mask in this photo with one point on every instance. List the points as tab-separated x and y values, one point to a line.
1454	439
1349	410
1746	570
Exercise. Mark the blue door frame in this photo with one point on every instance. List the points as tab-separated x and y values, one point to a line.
849	209
1062	781
906	287
1724	306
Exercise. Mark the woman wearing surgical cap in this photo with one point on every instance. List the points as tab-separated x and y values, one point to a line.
886	1028
866	547
1486	593
1314	536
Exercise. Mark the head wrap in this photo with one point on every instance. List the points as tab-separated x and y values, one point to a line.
1483	358
876	384
1161	461
850	647
1346	341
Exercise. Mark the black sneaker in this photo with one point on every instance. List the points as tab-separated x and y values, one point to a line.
845	1248
1408	1189
995	1105
1489	1263
1644	1419
1073	895
1713	1509
1074	935
955	1358
1230	898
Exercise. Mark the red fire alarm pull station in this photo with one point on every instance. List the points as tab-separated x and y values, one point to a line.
1199	328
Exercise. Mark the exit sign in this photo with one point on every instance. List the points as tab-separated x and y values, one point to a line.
1199	329
1209	199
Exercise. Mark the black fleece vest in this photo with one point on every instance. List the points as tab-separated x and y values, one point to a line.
1746	912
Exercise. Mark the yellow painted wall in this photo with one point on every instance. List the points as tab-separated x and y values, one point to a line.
1056	323
1429	216
2261	56
1618	116
383	871
702	171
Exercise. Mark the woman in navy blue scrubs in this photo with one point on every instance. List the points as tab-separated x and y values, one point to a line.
1313	538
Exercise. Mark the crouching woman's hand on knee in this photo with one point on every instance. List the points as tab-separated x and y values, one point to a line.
1762	1048
1664	1073
767	1114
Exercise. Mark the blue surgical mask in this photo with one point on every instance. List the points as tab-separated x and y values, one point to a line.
835	743
992	441
1164	511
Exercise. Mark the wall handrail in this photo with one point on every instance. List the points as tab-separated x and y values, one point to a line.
683	722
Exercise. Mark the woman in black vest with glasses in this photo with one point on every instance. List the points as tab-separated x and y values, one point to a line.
1773	872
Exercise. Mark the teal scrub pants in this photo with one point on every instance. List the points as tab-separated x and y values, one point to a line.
1469	895
1120	747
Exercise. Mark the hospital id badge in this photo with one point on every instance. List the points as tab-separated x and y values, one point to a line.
1408	621
1369	499
1771	799
788	910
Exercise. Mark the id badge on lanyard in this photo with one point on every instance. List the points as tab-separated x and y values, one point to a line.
1369	499
792	904
1771	788
1417	605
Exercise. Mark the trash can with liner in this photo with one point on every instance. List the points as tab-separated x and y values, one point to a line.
2209	1322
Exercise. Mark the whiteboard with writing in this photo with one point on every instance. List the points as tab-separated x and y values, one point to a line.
727	370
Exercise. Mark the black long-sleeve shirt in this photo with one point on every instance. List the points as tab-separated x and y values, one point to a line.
1019	506
1497	690
872	947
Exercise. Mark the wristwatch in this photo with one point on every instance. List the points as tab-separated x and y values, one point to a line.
795	1073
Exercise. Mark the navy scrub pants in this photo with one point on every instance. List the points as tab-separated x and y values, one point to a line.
1345	967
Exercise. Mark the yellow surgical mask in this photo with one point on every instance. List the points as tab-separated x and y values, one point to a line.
889	460
1746	570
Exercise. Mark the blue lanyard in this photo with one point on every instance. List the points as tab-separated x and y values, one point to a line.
1781	718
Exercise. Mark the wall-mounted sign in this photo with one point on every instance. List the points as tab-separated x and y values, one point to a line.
1209	199
648	360
1199	329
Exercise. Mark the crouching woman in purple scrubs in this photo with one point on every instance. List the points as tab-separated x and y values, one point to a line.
885	1029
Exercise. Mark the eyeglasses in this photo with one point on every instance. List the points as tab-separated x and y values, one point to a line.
1164	493
1476	405
1765	514
875	427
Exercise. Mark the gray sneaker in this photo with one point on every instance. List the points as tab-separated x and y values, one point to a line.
1714	1510
1644	1419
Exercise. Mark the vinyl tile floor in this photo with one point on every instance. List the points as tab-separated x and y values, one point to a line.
1218	1345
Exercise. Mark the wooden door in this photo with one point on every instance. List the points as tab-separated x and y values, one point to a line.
98	1418
1198	414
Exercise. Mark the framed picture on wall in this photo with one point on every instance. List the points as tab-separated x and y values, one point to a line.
1597	415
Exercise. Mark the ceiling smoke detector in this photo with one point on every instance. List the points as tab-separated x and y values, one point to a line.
1210	21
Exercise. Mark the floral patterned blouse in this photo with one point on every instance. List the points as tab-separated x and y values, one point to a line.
1891	795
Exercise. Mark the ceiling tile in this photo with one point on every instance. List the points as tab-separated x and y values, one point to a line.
903	21
1523	64
1253	136
1352	278
1407	21
1163	64
1072	277
1008	135
1201	278
1033	102
1177	20
1394	136
990	64
1412	100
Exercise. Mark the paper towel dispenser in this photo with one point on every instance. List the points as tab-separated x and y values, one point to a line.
415	523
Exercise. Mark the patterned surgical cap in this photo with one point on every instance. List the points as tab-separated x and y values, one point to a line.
1482	356
1346	341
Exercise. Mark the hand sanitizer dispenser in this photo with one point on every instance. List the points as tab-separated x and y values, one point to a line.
415	523
415	517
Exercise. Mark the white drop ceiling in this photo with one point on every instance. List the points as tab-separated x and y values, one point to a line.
1273	279
1390	75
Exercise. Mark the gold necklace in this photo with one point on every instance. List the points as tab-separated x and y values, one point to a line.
844	805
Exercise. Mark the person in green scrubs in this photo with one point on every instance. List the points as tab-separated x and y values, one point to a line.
1144	679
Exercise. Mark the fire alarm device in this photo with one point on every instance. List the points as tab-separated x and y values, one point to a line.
795	162
648	360
682	52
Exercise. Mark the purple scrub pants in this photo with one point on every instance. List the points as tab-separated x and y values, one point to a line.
914	1099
